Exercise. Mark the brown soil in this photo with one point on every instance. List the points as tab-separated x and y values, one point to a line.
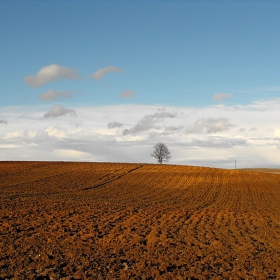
266	170
137	221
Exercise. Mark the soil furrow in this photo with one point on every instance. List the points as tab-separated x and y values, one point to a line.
149	222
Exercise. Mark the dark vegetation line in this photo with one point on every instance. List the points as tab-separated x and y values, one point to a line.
109	174
112	180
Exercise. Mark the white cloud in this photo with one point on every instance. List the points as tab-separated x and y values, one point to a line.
217	142
149	121
32	134
58	111
221	96
8	146
50	73
97	75
210	125
71	154
127	93
51	94
14	134
56	132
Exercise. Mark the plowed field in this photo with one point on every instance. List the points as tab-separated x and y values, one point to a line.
62	220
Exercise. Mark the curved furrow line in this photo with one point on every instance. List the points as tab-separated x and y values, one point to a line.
114	178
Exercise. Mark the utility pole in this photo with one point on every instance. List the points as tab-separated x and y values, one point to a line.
235	164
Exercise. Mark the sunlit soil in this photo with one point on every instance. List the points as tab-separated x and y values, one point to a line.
137	221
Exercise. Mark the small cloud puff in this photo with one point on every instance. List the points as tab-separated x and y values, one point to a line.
127	93
221	96
210	125
55	132
15	134
50	73
58	111
97	75
148	121
114	125
51	94
3	122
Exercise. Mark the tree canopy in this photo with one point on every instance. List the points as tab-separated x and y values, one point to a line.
161	153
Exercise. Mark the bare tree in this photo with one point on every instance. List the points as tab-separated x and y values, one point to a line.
161	153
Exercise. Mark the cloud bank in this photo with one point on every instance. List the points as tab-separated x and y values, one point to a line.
50	73
208	136
97	75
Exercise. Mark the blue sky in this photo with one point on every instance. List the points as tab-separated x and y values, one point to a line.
139	62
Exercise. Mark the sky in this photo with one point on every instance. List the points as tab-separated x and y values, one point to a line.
104	81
